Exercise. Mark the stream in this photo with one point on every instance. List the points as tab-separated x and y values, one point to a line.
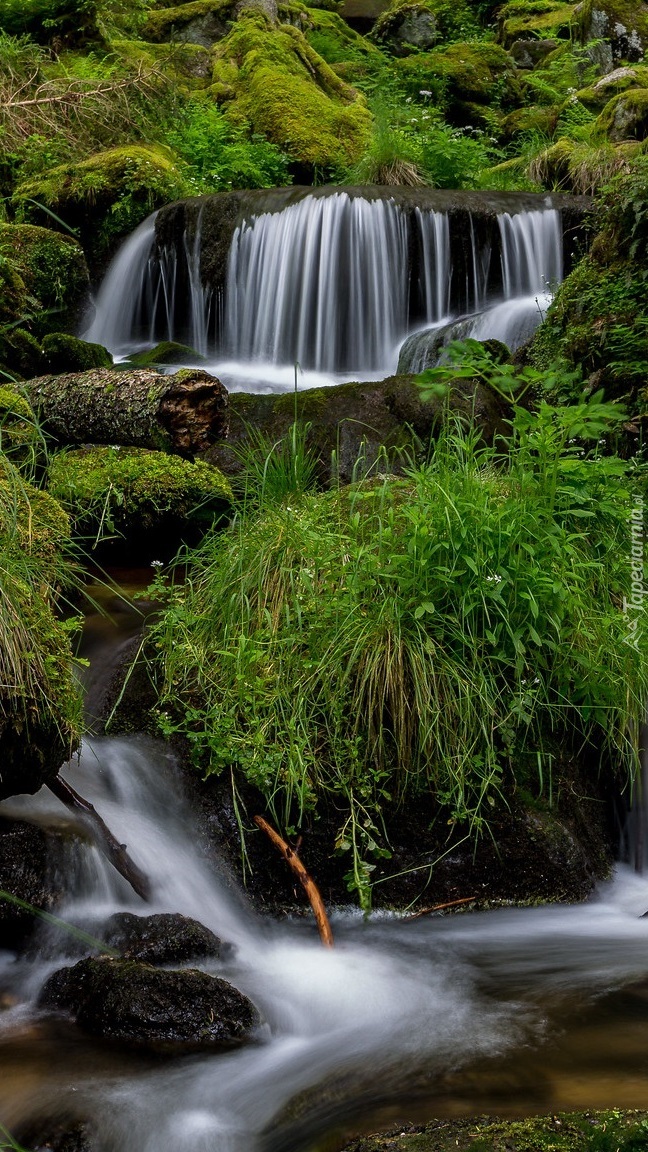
513	1011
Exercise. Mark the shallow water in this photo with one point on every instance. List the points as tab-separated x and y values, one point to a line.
510	1011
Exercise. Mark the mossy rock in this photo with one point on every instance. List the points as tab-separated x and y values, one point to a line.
560	1132
108	194
535	118
50	282
20	438
20	353
571	166
167	352
612	84
337	43
63	353
625	117
40	705
202	22
469	74
417	25
537	19
188	65
355	422
140	494
287	92
621	24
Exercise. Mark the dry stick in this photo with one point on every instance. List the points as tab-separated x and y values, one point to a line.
310	887
438	908
114	851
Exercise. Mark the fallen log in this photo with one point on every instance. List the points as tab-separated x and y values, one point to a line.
114	851
438	908
309	885
184	413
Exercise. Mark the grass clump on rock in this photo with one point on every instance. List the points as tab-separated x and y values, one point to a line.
434	634
40	706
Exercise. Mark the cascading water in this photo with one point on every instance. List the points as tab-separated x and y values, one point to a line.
331	283
424	1017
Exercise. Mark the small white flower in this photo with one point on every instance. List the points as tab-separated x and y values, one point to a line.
157	564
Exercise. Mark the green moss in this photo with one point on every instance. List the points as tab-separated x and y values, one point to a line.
51	281
520	19
620	80
622	23
64	353
108	194
625	117
204	19
607	1131
168	352
286	91
187	65
21	353
20	439
419	24
132	489
464	74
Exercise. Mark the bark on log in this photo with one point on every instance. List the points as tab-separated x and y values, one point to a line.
185	413
114	851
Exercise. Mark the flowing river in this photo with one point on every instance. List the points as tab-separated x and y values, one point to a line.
511	1011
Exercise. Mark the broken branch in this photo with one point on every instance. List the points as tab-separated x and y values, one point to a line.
438	908
309	885
114	851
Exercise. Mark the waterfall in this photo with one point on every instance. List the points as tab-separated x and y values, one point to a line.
531	252
334	283
434	229
323	284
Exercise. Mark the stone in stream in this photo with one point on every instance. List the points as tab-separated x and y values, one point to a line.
170	1012
167	938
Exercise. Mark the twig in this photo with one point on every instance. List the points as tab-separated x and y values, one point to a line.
311	889
438	908
114	851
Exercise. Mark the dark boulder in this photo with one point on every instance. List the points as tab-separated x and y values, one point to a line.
143	1007
167	938
27	876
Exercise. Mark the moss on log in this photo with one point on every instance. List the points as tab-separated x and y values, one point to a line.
184	413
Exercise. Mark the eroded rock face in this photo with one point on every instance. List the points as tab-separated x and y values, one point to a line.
143	1007
168	938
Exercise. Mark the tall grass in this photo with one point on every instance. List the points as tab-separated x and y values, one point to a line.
442	632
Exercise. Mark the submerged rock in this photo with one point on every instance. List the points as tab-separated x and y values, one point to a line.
134	1004
167	938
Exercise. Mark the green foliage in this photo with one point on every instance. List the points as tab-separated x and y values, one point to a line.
73	21
219	155
400	636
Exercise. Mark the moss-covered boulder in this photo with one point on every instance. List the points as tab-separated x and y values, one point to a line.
597	95
63	353
417	25
166	352
143	1007
625	117
148	497
49	281
40	707
271	78
21	355
353	422
201	22
108	194
622	26
20	437
468	76
166	938
537	19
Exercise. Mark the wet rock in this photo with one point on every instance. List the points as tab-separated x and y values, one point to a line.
161	1011
357	423
25	874
168	938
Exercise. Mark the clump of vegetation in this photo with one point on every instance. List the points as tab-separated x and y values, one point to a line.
433	633
119	490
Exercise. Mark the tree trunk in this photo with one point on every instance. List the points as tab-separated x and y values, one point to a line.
184	413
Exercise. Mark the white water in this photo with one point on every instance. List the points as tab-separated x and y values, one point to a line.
391	1002
325	284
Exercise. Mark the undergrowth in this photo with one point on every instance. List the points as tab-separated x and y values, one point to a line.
430	633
